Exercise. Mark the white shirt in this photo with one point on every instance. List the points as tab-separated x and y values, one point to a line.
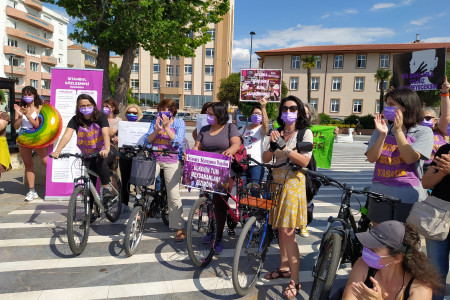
253	142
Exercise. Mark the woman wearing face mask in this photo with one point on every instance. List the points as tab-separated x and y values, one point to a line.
27	118
290	213
92	130
133	113
253	137
218	137
398	151
392	266
111	109
167	132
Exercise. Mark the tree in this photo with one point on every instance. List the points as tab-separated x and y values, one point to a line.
229	89
381	75
309	62
163	28
113	74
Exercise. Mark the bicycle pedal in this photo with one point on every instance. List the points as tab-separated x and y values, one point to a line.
231	232
108	204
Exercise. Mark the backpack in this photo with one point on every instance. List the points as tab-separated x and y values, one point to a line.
312	185
236	164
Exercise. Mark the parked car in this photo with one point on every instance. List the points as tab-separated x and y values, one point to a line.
241	121
147	118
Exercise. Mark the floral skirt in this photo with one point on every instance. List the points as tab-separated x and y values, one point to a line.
290	211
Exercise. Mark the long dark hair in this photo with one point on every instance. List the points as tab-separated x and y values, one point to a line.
416	263
410	101
32	90
80	117
220	111
302	120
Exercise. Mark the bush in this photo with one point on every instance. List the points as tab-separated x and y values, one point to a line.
367	122
337	122
352	119
324	118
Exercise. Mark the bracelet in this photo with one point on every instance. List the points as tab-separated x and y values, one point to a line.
444	94
397	131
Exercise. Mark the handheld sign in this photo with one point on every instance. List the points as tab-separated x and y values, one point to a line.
258	83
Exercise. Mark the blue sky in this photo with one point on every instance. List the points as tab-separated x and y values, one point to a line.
290	23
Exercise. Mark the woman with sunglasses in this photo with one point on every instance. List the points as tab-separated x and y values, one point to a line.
167	132
133	113
290	213
430	120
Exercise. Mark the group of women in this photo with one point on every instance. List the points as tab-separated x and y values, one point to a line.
399	147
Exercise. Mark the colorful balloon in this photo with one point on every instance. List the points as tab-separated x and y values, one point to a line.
46	133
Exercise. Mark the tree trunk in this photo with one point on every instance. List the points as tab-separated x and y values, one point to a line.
381	96
103	63
308	72
123	79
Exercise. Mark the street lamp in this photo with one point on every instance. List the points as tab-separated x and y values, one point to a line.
252	33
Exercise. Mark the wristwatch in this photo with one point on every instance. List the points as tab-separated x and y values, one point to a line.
288	151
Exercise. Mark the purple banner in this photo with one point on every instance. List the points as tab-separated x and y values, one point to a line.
206	169
258	83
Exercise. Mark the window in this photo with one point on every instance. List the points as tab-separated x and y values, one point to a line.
209	70
212	32
190	35
361	61
31	49
156	84
61	44
45	84
44	35
314	102
15	61
385	85
315	83
384	61
89	58
377	107
177	83
338	61
156	68
209	52
357	106
187	69
318	61
134	83
48	52
336	84
208	86
12	43
137	51
177	70
34	66
135	68
295	62
335	105
188	85
294	83
34	83
169	70
359	83
169	84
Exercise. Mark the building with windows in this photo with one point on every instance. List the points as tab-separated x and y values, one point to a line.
80	57
343	81
190	81
34	41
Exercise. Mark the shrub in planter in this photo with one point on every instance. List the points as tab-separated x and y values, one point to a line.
352	119
367	122
324	118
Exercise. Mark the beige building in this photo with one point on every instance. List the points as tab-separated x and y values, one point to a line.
34	40
190	81
80	57
343	82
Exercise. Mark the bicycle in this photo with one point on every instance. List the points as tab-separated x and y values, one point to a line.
79	210
339	244
149	203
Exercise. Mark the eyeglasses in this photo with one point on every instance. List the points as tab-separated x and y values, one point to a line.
88	106
292	108
428	118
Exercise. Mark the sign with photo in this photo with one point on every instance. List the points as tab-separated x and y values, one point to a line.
420	70
258	83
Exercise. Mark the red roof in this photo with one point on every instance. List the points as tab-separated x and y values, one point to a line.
306	50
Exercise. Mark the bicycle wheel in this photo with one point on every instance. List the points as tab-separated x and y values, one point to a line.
201	232
248	258
134	230
114	206
326	267
78	221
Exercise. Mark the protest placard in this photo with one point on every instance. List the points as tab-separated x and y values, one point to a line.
258	83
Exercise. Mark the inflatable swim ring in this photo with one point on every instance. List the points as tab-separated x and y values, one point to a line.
46	133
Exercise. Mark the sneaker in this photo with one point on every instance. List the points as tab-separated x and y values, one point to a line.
207	238
219	248
125	208
31	195
304	232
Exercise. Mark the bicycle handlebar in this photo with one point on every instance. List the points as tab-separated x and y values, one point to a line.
77	155
268	166
137	148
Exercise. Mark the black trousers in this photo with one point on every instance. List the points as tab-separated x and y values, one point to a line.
125	173
102	166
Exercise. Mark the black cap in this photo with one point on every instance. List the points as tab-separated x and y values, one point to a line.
386	234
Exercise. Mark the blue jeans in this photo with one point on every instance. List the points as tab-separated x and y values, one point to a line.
437	253
255	174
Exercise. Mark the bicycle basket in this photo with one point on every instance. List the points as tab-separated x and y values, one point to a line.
262	195
143	170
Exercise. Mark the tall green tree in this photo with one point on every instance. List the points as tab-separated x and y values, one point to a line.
309	62
162	27
382	75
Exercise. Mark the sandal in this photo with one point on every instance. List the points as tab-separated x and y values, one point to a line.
281	274
181	235
291	290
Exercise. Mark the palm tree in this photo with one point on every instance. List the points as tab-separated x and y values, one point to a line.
381	75
309	62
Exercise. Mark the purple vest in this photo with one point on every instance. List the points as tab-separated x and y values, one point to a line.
391	169
162	141
90	140
438	142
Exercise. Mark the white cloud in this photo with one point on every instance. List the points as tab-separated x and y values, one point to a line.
420	21
241	59
351	11
379	6
348	11
407	2
325	16
444	39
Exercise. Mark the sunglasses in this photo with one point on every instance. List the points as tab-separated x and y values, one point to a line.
292	108
428	118
131	113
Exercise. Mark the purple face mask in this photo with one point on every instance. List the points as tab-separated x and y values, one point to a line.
28	99
87	110
289	117
448	130
372	259
427	123
210	120
389	112
106	110
256	119
132	117
166	113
